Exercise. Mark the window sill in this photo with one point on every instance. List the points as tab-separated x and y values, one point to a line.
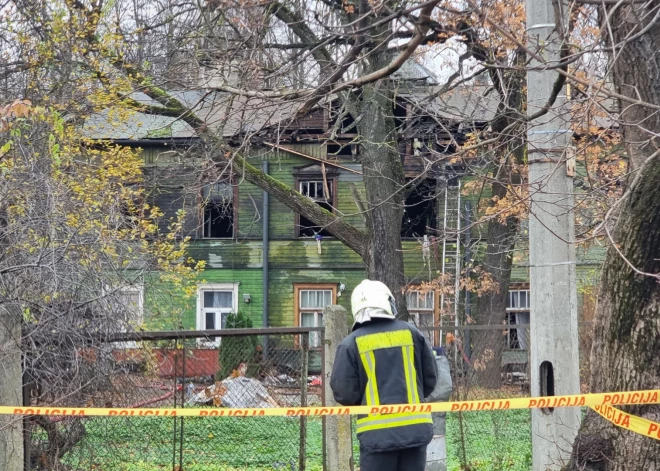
215	238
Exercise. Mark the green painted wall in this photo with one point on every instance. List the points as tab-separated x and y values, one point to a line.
294	260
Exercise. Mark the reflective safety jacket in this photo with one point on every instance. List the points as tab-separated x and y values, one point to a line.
386	362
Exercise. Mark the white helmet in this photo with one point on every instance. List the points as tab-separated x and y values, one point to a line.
372	299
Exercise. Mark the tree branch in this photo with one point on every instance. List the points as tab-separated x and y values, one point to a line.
422	30
344	232
304	32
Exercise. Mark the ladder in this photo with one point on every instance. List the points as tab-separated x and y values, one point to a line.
451	252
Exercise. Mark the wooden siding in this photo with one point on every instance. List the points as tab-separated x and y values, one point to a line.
294	260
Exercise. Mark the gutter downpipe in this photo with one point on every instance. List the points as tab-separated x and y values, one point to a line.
265	246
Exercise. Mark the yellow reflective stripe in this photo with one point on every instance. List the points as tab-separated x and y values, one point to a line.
409	359
400	415
384	421
369	363
406	371
395	338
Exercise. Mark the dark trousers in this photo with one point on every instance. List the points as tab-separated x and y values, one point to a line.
410	459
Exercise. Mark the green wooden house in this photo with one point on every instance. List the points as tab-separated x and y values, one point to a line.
275	266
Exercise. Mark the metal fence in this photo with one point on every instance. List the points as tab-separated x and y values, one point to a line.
259	368
488	362
230	368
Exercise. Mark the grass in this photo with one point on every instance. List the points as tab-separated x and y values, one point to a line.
494	441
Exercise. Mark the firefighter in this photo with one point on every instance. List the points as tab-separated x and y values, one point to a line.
385	361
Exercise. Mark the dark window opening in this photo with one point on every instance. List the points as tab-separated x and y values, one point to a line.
129	215
547	378
322	193
338	149
347	124
400	114
420	211
309	229
513	341
218	211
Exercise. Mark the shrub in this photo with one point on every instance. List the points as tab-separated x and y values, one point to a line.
237	350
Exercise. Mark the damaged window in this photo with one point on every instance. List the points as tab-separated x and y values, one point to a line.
420	210
218	215
322	193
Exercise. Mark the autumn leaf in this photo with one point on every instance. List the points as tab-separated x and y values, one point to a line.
20	108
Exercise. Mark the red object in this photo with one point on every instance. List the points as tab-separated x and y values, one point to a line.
199	361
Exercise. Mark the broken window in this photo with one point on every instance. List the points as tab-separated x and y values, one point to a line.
400	112
218	205
420	210
322	192
348	150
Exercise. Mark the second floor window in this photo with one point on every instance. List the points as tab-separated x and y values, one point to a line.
420	209
218	211
323	193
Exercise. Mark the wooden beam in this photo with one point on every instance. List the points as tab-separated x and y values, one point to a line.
295	152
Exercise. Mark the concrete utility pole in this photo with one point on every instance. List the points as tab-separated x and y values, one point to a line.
337	433
554	336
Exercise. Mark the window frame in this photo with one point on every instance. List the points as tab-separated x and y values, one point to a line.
510	311
435	311
298	288
202	210
136	288
300	176
200	318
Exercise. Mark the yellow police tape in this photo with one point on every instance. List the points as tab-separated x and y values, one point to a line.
581	400
628	421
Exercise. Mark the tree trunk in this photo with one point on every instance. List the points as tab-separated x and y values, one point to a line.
626	341
488	345
624	356
636	73
384	189
11	383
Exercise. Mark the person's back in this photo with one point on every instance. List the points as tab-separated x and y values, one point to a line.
385	361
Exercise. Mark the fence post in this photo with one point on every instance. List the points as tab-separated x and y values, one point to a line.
304	357
338	443
11	427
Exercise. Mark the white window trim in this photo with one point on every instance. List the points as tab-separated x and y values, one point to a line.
140	290
519	309
515	311
317	183
315	338
201	318
137	288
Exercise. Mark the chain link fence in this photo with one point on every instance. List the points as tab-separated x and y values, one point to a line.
258	368
262	369
488	362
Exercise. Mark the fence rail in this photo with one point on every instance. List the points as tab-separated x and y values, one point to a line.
259	368
176	369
